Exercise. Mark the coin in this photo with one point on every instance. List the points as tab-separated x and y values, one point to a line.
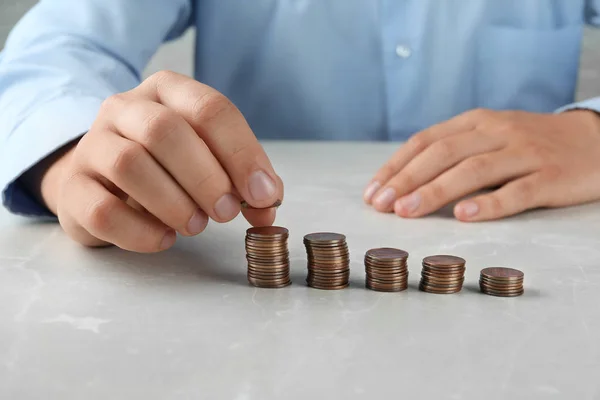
386	269
268	256
244	204
442	274
501	273
328	260
501	282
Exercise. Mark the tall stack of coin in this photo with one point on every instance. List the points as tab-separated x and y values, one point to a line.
268	256
502	282
442	274
386	269
328	260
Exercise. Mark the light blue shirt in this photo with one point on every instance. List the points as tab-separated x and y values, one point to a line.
298	69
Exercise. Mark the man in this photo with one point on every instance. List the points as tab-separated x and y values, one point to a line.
165	155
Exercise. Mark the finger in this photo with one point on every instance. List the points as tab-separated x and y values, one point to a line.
418	143
263	217
514	197
475	173
128	165
256	217
433	161
180	151
223	128
106	217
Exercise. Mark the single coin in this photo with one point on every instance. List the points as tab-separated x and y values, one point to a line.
501	273
496	286
444	261
325	287
429	289
324	237
387	276
386	253
500	294
244	204
267	231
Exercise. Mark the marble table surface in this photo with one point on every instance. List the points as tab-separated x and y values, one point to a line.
79	323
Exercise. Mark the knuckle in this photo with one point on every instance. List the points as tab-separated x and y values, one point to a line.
126	158
98	216
210	106
205	180
417	143
444	149
496	205
157	127
477	167
112	103
161	76
552	172
437	192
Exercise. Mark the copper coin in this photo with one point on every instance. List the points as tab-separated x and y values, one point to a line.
501	286
324	237
259	270
386	288
501	273
327	282
439	291
386	253
500	292
444	270
272	286
501	281
444	261
244	204
390	270
271	267
325	287
269	277
442	279
377	275
269	281
503	294
267	231
336	272
441	287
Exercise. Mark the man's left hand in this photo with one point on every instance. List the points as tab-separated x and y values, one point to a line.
538	160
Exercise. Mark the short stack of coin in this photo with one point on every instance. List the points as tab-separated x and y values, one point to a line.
502	282
268	256
328	260
386	269
442	274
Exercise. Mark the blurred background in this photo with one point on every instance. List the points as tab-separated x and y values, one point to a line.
178	55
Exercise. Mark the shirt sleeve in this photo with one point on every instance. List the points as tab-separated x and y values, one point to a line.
59	63
592	17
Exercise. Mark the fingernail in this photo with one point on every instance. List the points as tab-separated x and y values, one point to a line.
227	207
370	190
468	209
261	186
410	202
197	223
385	199
168	240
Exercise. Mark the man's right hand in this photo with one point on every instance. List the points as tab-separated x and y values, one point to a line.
159	159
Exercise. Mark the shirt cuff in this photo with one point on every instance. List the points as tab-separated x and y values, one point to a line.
48	128
592	104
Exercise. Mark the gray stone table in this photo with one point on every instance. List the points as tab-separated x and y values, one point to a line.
77	323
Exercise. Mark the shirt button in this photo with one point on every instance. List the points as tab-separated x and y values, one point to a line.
403	51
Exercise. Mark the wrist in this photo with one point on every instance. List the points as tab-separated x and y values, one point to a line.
44	179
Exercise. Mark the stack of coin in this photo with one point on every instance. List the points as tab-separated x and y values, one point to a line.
268	257
442	274
328	260
503	282
386	269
